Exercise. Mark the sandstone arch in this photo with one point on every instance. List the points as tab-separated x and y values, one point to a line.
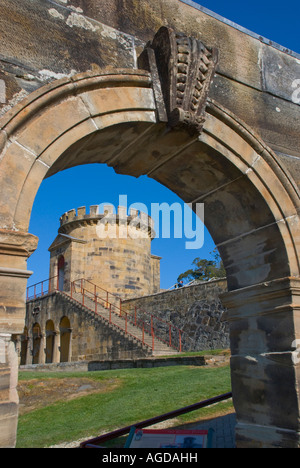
252	207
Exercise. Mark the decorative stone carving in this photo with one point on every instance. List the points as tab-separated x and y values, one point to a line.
182	69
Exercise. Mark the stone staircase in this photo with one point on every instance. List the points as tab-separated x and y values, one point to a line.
118	322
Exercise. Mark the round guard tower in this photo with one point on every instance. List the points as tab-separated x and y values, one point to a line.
112	250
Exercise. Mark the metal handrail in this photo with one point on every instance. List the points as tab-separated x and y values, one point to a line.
40	290
168	325
110	320
52	284
121	314
142	324
93	443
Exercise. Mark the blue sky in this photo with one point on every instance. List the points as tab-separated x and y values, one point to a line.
273	20
95	184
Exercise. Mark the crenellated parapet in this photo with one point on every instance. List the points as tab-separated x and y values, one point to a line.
133	218
109	247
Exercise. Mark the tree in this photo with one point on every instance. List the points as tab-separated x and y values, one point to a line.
204	270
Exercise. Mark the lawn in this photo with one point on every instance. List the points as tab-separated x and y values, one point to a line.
124	397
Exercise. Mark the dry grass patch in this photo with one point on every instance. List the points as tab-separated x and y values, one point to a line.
38	393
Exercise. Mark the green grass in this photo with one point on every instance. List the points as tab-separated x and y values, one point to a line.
141	394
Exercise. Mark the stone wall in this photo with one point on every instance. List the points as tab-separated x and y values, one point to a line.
196	310
46	40
8	391
90	337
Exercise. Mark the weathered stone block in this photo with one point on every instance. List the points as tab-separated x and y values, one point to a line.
257	402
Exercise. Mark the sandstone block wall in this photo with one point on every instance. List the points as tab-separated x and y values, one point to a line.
196	310
46	40
8	391
118	259
90	338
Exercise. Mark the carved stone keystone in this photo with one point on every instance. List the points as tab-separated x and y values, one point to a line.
182	69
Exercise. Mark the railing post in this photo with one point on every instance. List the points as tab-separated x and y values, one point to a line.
125	324
135	315
95	298
152	332
71	289
120	307
143	336
109	313
106	299
83	297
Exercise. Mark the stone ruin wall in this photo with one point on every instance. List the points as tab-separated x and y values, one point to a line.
197	310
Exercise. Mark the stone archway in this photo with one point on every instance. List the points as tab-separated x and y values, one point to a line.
251	210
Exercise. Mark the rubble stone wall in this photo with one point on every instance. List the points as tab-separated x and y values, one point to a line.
196	310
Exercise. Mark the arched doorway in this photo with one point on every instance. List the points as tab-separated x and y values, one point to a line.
65	340
251	211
